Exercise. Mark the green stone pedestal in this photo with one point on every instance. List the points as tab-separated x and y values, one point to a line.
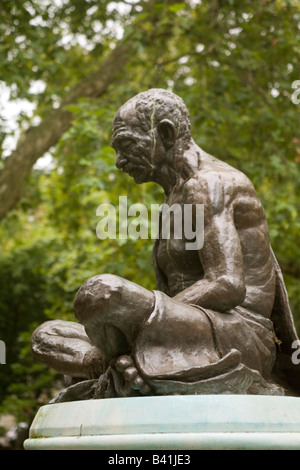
188	422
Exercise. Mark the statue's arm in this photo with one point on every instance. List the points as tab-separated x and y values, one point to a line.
223	284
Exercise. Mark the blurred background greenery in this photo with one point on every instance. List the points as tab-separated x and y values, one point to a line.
73	63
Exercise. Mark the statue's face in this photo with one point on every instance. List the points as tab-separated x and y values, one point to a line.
138	151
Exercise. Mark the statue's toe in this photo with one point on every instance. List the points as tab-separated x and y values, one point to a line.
125	365
130	373
145	389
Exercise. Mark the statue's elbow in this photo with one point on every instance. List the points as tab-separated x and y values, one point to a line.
240	294
234	290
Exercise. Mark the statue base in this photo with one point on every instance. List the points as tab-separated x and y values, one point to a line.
181	422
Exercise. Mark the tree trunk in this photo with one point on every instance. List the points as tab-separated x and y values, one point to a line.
39	139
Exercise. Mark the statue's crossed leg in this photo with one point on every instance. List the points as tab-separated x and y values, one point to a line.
127	330
115	312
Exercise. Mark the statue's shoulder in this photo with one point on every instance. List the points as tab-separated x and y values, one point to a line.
212	168
216	179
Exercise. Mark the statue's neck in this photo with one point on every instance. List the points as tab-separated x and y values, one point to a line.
179	166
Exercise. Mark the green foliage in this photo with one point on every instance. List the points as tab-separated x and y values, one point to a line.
233	63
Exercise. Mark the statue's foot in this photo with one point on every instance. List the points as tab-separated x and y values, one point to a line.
125	365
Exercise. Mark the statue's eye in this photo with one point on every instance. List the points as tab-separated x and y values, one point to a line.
126	144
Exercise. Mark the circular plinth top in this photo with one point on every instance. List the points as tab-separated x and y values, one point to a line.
169	422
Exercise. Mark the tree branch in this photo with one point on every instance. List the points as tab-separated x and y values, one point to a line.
39	139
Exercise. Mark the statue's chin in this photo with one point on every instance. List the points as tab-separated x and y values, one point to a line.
140	178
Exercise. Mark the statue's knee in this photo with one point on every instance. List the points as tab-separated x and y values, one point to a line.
95	295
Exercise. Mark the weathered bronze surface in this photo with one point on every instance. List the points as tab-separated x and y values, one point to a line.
219	321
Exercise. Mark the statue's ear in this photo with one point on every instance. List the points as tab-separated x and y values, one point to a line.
167	133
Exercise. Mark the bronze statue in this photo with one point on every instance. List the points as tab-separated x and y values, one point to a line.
219	321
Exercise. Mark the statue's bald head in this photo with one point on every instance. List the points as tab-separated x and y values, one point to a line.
151	132
155	106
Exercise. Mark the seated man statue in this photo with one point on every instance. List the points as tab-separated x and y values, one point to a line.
219	321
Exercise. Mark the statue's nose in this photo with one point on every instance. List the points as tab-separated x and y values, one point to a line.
120	162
